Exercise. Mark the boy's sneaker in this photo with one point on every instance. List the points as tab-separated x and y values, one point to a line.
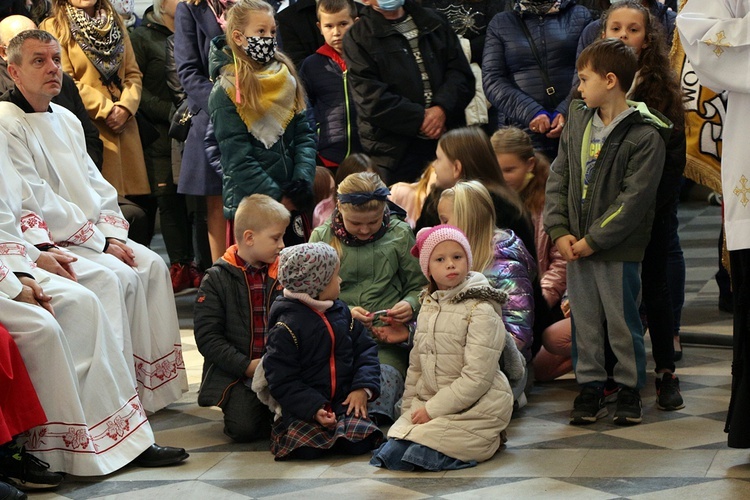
629	410
25	471
668	395
611	389
588	407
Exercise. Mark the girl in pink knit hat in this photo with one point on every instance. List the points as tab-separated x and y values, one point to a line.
456	402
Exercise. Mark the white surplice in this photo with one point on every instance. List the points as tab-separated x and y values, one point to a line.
716	37
96	422
79	209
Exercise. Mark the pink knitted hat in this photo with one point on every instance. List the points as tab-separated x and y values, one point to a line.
429	237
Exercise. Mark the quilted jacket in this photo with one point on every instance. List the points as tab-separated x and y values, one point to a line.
248	166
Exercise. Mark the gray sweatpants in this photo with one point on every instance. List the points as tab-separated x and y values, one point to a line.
604	299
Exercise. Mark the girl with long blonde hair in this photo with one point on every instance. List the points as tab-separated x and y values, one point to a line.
257	110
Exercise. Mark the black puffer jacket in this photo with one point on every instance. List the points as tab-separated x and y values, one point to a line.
223	325
512	78
297	363
331	107
387	85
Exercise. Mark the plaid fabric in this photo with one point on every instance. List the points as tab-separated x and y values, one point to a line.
311	434
256	288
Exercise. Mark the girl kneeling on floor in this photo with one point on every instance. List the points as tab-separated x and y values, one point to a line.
321	366
456	401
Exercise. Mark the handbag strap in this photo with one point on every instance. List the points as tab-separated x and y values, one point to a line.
549	88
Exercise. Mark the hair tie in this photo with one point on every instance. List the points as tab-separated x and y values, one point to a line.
360	198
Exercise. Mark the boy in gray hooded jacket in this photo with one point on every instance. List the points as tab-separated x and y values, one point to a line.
599	208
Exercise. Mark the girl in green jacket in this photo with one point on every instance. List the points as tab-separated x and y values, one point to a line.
381	280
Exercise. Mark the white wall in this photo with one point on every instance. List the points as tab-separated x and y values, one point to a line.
141	6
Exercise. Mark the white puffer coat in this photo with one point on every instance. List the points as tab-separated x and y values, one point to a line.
454	373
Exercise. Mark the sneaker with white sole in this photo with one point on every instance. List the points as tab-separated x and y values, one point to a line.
629	409
588	407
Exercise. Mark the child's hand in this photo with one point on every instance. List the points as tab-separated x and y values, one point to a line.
581	248
363	315
326	418
250	371
564	245
401	312
420	416
565	307
356	402
556	127
394	333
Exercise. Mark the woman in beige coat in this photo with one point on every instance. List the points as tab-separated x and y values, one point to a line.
456	402
96	52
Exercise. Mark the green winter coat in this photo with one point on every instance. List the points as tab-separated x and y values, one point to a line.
285	169
378	275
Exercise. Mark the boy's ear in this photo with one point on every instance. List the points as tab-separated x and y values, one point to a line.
318	25
248	237
611	80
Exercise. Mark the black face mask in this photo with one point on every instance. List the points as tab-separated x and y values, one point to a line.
261	49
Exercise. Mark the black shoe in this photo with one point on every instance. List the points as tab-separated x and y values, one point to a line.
726	303
668	395
25	471
629	410
8	492
588	407
160	456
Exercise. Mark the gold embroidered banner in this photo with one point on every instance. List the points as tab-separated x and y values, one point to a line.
704	118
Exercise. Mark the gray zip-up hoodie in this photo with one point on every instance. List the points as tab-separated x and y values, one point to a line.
616	214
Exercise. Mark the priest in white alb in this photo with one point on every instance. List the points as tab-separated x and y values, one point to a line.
96	422
80	211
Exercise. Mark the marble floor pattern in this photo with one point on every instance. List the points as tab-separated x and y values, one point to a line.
671	454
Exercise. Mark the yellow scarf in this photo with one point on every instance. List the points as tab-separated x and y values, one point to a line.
277	103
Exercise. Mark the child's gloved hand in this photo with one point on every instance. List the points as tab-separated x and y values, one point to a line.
326	417
356	402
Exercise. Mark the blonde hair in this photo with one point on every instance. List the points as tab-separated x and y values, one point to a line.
257	212
513	140
61	23
474	214
245	68
361	182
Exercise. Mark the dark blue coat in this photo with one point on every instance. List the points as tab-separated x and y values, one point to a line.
511	76
195	27
297	360
331	106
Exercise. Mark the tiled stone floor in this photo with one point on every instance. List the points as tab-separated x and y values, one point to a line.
680	454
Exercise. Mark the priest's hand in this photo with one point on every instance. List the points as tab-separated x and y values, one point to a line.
57	262
117	118
32	293
121	251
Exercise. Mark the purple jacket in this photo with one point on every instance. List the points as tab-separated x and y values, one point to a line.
512	272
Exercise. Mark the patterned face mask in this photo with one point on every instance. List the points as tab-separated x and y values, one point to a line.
261	49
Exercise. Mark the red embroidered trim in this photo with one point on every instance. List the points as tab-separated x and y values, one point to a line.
12	249
31	221
79	438
151	375
4	271
113	220
82	235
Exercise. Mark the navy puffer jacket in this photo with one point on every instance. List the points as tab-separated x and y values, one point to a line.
512	78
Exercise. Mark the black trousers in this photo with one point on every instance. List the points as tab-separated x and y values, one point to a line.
738	417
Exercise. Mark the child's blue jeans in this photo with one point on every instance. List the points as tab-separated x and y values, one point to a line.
397	454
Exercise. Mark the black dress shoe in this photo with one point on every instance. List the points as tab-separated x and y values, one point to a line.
8	492
160	456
